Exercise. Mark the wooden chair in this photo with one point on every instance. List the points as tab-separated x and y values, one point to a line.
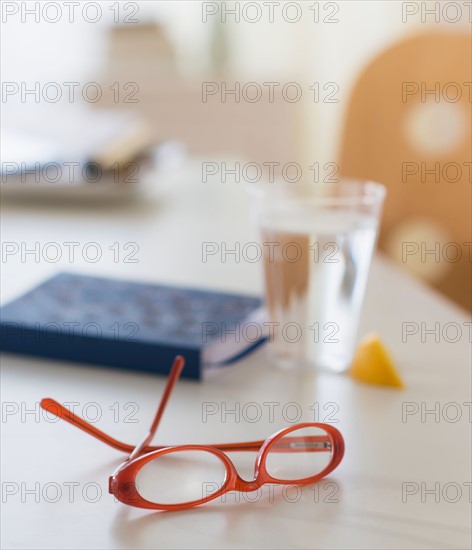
407	127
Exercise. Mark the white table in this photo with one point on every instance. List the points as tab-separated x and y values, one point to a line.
365	502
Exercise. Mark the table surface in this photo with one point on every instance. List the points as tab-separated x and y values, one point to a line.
405	481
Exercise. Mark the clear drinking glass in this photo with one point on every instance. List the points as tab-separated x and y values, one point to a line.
317	242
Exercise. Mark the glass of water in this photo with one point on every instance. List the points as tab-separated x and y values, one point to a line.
317	242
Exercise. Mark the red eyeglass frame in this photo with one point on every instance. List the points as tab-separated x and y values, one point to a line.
122	483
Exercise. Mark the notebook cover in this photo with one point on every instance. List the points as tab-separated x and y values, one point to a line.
119	323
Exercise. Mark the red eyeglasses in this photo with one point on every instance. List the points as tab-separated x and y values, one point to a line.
180	477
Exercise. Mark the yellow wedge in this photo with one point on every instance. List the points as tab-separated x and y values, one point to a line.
372	364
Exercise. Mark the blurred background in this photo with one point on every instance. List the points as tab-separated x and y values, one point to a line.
373	89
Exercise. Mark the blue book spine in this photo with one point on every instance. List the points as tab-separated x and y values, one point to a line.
131	355
124	324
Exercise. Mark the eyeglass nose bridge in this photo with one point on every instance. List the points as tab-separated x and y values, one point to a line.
244	486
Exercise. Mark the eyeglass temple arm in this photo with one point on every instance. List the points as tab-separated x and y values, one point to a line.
292	444
287	444
55	408
175	372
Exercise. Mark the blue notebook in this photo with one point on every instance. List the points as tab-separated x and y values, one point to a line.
130	325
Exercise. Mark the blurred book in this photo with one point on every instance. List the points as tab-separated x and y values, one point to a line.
82	152
131	325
